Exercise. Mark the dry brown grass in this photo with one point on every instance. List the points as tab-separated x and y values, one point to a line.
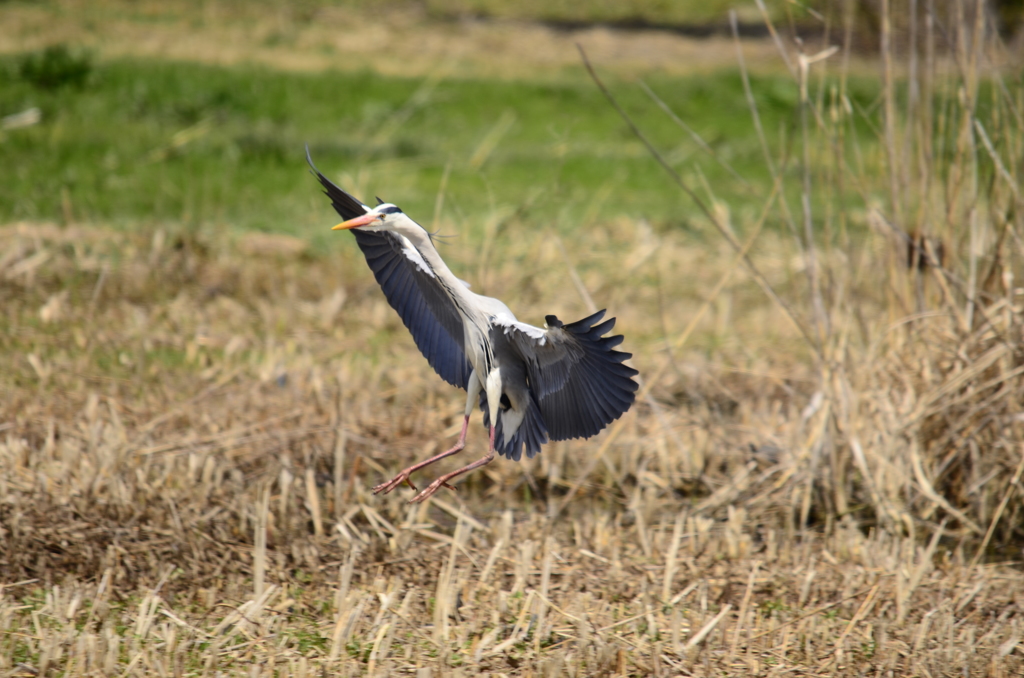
191	421
171	393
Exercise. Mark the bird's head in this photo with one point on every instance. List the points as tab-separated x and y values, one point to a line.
383	217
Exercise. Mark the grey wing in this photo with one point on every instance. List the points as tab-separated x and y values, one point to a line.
428	314
577	375
432	320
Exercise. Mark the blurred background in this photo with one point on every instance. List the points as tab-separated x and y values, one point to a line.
806	217
197	113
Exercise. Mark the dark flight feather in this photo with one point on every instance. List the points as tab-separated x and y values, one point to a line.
430	317
577	375
344	204
434	323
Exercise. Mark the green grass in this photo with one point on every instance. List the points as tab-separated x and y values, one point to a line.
142	142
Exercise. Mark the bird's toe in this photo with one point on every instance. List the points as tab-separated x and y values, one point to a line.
428	491
393	483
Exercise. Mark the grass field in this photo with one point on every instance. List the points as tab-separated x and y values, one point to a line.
197	144
200	381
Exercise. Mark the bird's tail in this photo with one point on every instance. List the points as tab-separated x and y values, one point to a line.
532	433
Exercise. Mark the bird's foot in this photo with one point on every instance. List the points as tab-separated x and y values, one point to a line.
430	490
402	477
443	480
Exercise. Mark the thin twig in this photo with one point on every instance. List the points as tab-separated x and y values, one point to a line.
754	271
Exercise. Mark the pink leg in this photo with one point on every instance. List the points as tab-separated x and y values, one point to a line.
443	480
403	477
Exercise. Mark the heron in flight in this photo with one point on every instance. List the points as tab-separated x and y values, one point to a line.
533	384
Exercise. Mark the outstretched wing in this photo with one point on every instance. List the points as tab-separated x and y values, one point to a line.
411	289
575	372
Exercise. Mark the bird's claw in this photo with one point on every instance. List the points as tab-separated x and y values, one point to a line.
393	483
404	478
430	490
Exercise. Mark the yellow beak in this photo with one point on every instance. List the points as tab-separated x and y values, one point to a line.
367	218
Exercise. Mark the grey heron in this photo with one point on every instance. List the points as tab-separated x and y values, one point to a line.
533	384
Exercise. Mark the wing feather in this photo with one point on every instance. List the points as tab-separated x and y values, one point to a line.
344	204
428	314
434	323
578	377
